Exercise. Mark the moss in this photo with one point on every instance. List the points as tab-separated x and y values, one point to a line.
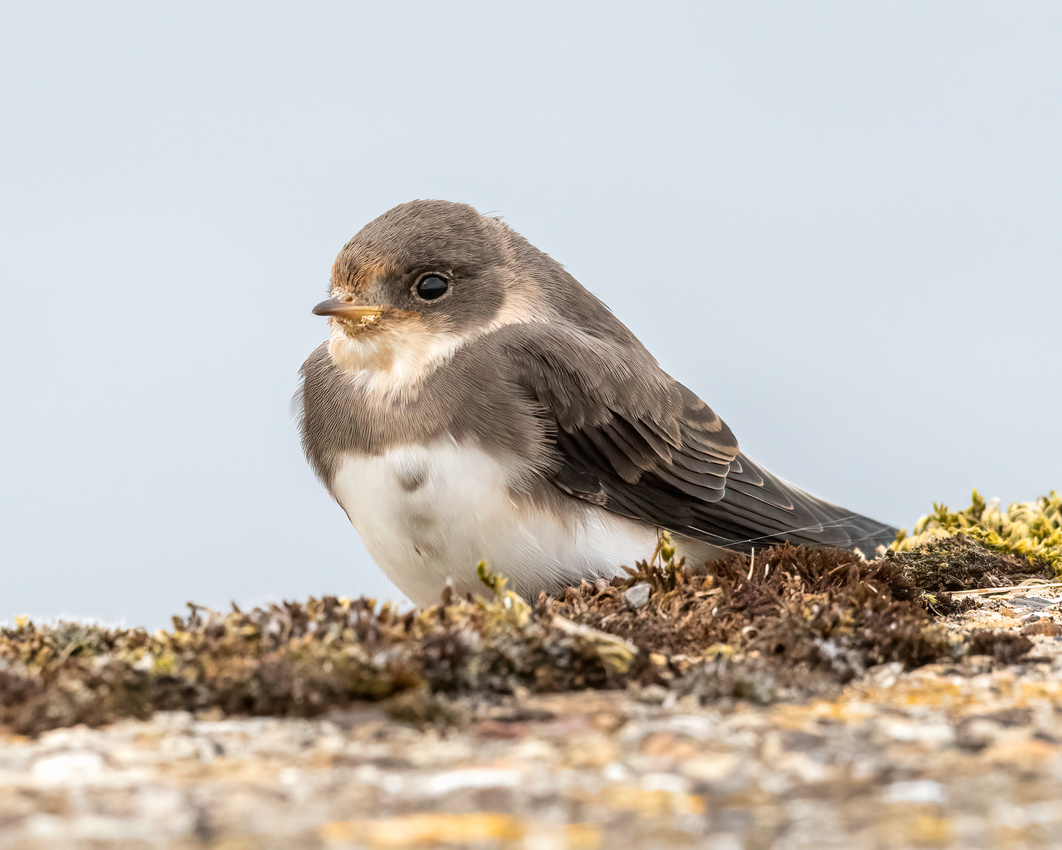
946	564
292	659
789	621
1032	530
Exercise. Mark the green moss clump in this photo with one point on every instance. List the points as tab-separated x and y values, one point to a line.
1032	530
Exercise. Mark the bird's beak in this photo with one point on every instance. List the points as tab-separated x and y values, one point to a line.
346	310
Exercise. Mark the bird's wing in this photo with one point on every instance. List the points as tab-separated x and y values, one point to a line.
632	439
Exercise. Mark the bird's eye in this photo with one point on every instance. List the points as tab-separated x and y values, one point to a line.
432	286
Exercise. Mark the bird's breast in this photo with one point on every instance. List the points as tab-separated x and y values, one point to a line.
428	514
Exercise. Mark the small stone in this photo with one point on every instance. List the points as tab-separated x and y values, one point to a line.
1033	602
653	694
977	733
915	791
70	768
710	768
637	596
918	731
885	675
592	751
1043	626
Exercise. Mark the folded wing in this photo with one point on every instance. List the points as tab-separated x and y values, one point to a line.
630	438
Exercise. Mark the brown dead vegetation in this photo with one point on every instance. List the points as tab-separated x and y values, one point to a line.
788	623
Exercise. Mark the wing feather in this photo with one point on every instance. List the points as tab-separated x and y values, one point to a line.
630	438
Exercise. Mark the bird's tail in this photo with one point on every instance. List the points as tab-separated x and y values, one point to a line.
760	509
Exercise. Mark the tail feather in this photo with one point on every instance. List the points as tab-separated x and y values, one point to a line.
759	509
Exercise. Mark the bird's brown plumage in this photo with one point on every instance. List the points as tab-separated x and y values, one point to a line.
541	370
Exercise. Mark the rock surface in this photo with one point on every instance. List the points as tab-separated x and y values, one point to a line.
966	754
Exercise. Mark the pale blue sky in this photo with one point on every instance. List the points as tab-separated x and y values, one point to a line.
839	223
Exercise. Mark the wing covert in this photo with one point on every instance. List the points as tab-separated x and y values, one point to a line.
628	436
633	440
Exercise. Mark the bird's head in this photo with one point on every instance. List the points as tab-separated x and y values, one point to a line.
419	281
428	277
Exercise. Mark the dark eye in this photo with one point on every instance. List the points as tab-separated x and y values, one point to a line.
432	286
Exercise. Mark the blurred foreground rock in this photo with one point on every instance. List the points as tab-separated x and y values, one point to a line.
965	754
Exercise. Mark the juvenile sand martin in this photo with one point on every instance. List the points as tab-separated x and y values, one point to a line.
475	402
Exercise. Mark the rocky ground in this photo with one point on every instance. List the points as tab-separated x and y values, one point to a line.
965	752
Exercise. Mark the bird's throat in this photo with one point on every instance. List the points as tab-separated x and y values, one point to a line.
391	359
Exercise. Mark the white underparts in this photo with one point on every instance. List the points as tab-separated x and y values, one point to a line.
430	514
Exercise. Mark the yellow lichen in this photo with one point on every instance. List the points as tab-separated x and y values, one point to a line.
1031	529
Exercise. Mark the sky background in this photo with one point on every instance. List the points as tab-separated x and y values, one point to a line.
838	223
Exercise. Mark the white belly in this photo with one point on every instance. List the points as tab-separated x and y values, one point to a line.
431	514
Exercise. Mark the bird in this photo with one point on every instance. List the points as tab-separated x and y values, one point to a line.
473	402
